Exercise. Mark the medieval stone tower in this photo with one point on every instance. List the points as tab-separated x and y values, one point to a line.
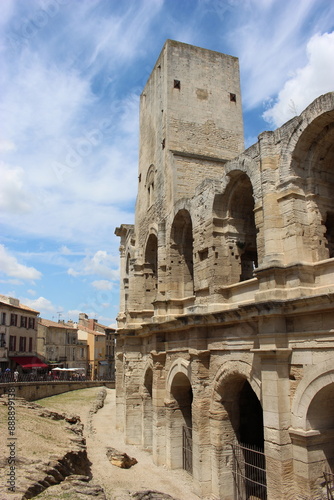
225	348
190	125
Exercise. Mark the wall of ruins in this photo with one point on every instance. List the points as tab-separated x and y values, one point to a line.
230	292
287	360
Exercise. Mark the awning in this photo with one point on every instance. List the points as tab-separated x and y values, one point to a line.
29	362
104	363
67	369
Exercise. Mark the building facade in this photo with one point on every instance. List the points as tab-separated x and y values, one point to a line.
98	341
225	330
58	344
18	335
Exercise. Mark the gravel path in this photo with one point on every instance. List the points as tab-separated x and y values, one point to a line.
118	483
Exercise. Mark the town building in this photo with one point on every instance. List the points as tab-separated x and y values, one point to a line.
18	336
99	364
225	341
58	344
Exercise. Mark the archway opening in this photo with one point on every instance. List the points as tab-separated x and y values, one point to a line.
320	417
251	418
148	410
312	165
251	438
241	213
181	256
234	220
241	421
329	234
181	423
151	270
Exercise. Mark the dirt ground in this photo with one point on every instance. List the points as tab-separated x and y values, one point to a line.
119	483
142	476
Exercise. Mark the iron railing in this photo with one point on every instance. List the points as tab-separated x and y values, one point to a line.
32	377
249	472
187	446
329	480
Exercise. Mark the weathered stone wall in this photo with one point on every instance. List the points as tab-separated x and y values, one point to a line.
31	391
227	324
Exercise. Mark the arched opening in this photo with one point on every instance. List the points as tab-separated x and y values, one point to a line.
329	234
320	417
242	220
127	266
181	423
151	270
150	186
148	410
312	163
239	419
181	256
251	418
126	281
236	231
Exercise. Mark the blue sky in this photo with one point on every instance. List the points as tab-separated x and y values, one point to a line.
71	75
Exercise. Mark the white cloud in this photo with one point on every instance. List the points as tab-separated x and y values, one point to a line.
12	282
270	40
72	272
43	305
10	266
102	284
314	79
64	250
73	314
6	145
13	196
100	263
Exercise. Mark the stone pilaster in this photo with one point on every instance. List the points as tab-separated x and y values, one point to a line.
159	411
276	421
200	422
132	366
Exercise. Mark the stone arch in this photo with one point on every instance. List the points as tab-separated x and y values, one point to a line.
126	280
248	166
236	396
178	412
313	426
149	184
181	255
307	169
316	379
233	369
127	264
180	365
151	270
147	405
317	114
234	209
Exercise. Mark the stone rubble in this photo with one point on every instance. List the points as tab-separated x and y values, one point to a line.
120	459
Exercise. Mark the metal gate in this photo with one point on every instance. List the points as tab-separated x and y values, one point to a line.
249	472
329	480
187	446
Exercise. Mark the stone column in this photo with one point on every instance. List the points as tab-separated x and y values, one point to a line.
159	412
173	434
132	361
200	423
272	220
119	385
221	435
276	421
309	461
